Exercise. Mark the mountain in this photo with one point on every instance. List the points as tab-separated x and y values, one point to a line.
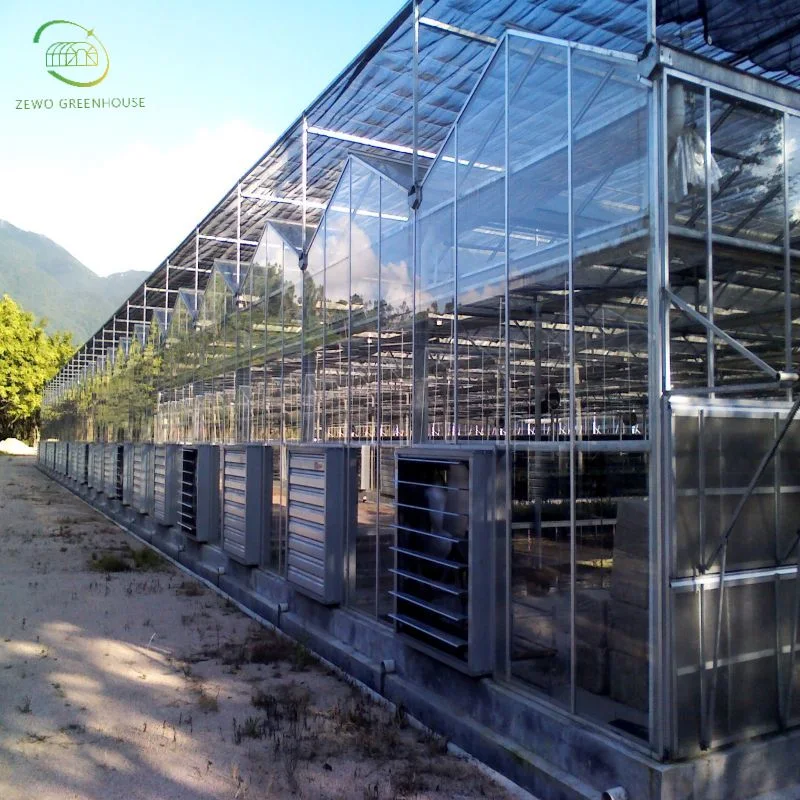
46	280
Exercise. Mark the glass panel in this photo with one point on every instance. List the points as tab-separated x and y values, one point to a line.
748	226
793	212
364	337
540	570
396	288
337	314
537	246
313	391
716	453
396	291
481	259
279	510
688	222
291	327
612	604
362	543
434	302
611	250
746	661
715	459
789	641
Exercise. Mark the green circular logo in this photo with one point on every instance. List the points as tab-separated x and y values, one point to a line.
80	59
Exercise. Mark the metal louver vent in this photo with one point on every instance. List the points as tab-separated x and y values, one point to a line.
142	474
72	470
321	494
198	509
61	458
118	455
246	501
110	470
187	510
96	466
445	535
127	475
165	483
83	463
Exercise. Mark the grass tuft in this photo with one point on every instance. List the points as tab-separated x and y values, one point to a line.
109	562
148	560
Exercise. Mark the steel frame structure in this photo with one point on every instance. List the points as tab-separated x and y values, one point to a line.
235	225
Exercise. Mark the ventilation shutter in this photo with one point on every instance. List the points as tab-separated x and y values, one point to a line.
321	495
445	535
246	501
165	487
142	493
198	510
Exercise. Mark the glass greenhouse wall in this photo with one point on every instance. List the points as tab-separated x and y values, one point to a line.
597	281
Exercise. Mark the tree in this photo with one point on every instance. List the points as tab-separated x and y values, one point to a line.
29	357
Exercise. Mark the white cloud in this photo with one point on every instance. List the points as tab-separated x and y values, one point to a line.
130	209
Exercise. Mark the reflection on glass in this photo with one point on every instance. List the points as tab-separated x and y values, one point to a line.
481	259
611	249
748	214
435	297
688	222
541	570
538	229
612	601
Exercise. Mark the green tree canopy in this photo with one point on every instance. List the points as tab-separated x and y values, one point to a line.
29	357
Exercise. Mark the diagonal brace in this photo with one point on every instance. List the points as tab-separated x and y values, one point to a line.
715	330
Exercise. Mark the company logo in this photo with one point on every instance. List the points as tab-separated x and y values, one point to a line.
73	54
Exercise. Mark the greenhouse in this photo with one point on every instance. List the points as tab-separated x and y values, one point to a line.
483	380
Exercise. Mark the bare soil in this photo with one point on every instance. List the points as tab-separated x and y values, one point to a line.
121	677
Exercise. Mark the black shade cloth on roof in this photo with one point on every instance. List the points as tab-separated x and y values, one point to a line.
765	31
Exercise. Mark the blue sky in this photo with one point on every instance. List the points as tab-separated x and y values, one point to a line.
121	188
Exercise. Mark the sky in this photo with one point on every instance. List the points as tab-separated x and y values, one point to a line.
120	188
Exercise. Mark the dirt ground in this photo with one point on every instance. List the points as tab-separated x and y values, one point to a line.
120	677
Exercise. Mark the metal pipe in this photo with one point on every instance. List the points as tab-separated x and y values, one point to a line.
571	328
727	338
710	376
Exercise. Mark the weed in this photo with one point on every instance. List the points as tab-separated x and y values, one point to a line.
109	562
262	647
73	727
407	781
400	716
302	657
436	744
291	757
190	589
265	702
251	728
372	791
148	560
207	702
354	716
25	706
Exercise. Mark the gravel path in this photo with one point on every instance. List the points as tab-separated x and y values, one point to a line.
120	677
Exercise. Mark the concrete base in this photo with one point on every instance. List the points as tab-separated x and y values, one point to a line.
554	755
